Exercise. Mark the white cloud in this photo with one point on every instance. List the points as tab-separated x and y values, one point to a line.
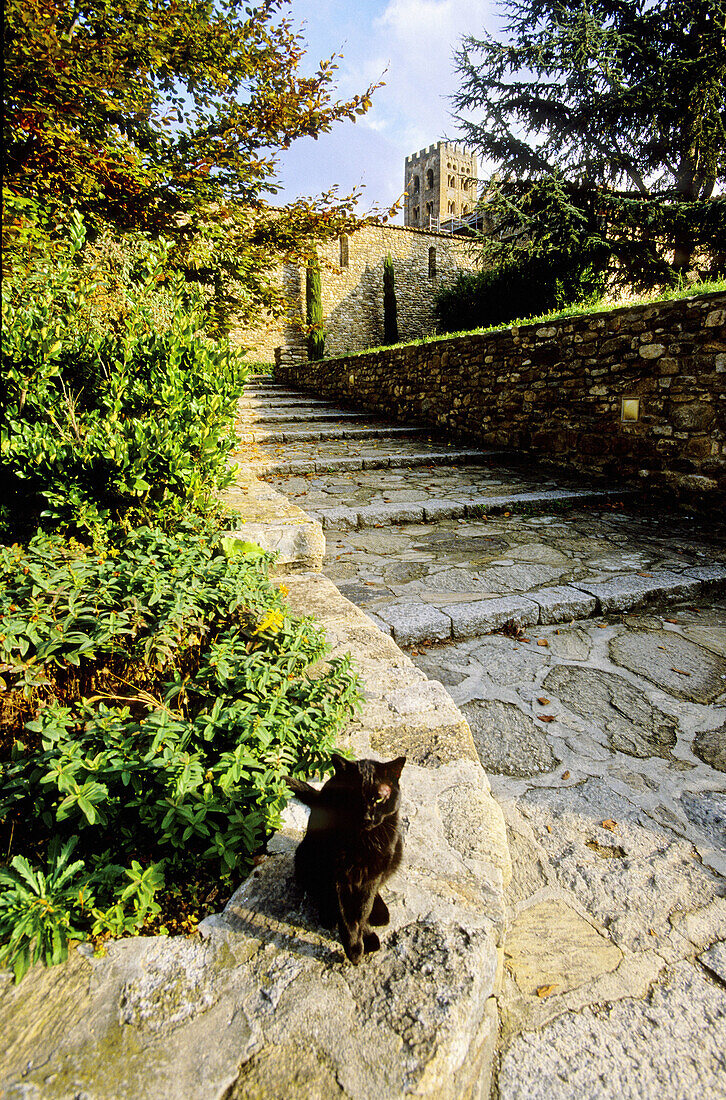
414	40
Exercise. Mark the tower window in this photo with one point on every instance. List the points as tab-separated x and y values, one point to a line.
429	208
432	263
416	185
430	179
416	213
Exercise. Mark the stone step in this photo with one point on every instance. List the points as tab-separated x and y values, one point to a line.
303	414
344	518
331	465
411	622
262	403
332	432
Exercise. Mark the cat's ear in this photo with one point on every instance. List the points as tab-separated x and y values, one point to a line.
395	767
340	764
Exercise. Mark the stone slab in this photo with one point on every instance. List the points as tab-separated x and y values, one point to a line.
562	603
414	622
677	665
630	591
299	546
571	957
606	1054
715	960
507	741
382	515
341	518
483	616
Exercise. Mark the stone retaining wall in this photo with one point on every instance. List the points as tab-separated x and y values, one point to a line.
557	390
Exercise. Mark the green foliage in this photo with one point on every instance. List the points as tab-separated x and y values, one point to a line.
390	309
314	309
627	102
546	254
136	112
108	425
155	697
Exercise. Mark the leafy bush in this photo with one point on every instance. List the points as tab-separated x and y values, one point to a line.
100	428
155	696
523	287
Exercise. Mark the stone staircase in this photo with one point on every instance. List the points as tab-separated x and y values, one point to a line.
582	636
446	542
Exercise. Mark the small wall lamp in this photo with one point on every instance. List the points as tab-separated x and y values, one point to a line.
629	409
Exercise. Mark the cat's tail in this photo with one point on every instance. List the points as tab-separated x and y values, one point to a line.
307	794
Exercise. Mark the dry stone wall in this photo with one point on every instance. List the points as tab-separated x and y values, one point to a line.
352	291
557	390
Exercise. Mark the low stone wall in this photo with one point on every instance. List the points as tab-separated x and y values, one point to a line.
556	390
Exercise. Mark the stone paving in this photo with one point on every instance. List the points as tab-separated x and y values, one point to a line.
601	723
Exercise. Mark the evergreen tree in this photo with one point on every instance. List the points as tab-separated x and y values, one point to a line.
623	102
314	309
390	308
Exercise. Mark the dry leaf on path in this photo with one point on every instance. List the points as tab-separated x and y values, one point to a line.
546	717
608	823
565	775
546	990
680	671
543	701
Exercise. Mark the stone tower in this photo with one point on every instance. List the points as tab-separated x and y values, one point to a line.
440	185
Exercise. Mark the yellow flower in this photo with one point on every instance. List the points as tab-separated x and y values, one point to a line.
283	589
270	623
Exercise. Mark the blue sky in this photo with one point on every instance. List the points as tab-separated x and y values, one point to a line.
414	41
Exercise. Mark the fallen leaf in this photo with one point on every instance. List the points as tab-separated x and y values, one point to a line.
542	641
609	824
651	932
546	990
523	639
671	621
565	775
546	717
680	671
543	701
549	828
645	574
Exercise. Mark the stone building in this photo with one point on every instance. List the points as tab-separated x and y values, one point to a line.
440	184
351	275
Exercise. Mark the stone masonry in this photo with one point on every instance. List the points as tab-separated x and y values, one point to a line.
559	391
352	290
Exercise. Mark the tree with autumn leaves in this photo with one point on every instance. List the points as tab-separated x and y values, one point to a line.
166	116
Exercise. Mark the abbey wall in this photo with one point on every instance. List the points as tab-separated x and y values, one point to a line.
351	276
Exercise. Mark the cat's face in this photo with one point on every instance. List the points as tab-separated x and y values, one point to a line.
374	785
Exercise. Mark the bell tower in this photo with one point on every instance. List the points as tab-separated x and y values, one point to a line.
440	184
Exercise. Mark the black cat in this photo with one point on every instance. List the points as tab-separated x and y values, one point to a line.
351	846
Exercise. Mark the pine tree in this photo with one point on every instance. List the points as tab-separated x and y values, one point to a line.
624	101
390	309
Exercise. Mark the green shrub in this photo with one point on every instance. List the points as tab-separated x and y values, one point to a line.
101	428
154	698
524	287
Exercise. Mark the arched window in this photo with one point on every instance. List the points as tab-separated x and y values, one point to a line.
429	209
452	181
451	208
432	263
416	213
416	185
344	250
430	179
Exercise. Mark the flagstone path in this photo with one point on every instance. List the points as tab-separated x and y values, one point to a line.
598	710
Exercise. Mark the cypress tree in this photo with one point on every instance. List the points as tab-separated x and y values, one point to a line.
314	309
390	310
